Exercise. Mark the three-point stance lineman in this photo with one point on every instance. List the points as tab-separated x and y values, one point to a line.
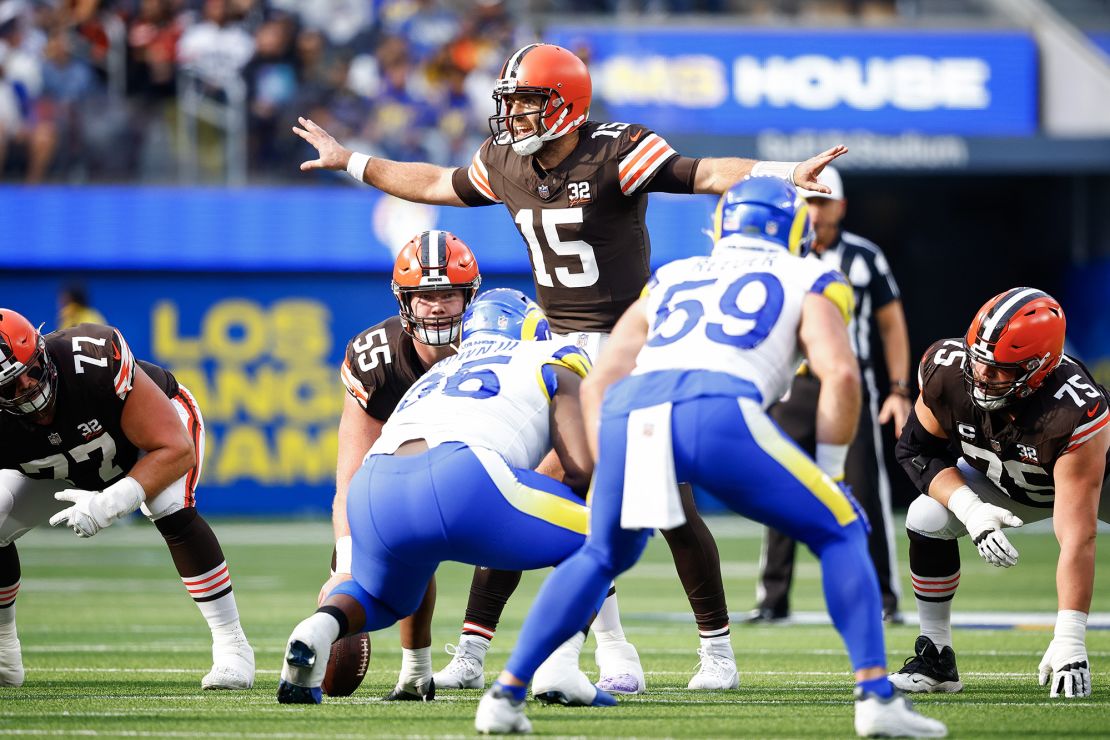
450	478
689	372
1007	430
83	423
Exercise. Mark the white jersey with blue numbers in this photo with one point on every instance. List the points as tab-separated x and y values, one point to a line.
736	312
495	393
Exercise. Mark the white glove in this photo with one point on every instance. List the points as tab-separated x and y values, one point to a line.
92	511
984	523
1066	658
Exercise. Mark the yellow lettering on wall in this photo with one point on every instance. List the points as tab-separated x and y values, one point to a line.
311	394
236	331
242	453
168	345
253	393
305	457
301	331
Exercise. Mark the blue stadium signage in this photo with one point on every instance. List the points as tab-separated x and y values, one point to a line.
742	81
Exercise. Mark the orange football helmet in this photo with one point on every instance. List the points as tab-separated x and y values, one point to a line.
434	261
1020	334
556	74
23	354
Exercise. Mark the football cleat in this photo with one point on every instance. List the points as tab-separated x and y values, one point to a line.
619	664
929	670
893	717
11	661
466	669
413	691
716	672
500	714
765	615
559	681
232	666
300	663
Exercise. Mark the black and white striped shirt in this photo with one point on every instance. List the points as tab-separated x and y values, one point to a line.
867	270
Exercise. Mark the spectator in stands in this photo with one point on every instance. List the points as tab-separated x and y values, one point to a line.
271	78
20	89
218	47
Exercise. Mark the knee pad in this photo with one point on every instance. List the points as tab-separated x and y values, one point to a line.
618	556
929	518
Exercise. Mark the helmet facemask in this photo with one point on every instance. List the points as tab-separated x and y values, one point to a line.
434	331
546	129
991	395
37	397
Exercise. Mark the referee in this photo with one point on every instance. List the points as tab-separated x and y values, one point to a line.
877	303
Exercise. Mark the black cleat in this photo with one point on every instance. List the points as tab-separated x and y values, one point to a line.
766	615
400	694
929	670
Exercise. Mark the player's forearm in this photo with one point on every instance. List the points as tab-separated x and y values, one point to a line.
715	175
160	467
418	182
1075	573
896	343
838	406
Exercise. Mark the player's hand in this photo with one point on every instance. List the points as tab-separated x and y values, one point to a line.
805	174
1065	663
85	517
333	155
984	522
895	408
329	586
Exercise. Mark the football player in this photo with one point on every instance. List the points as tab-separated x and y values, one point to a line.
89	434
462	443
577	191
690	370
435	277
1007	430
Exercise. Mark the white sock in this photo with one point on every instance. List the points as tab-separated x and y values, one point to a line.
7	621
475	644
936	621
719	645
573	646
320	628
607	626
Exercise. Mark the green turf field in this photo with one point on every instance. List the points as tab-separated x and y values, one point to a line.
113	647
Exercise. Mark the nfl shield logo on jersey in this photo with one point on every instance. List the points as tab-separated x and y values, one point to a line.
55	438
996	446
543	191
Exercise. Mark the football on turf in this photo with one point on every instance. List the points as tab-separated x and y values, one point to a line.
347	664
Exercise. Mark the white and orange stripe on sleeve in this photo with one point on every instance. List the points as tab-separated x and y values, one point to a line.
640	164
1086	431
125	378
479	177
210	585
354	385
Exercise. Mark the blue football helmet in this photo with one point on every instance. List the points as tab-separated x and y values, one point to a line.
507	313
767	209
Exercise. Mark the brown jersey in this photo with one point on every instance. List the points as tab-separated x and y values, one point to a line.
84	442
1016	447
380	366
584	221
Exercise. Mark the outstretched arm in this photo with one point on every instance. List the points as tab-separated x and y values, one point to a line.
418	182
715	175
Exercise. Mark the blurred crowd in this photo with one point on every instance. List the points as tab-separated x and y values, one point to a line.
90	89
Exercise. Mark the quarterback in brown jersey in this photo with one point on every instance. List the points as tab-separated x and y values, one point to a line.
88	434
1007	430
577	191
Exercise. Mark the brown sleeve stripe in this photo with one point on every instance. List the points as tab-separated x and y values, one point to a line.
637	167
353	384
479	178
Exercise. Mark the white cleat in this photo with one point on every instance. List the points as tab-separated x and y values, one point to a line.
893	717
232	666
716	672
11	661
499	714
619	665
466	669
559	680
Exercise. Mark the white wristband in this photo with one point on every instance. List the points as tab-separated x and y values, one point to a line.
831	459
121	498
356	165
1071	625
962	501
781	170
343	555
